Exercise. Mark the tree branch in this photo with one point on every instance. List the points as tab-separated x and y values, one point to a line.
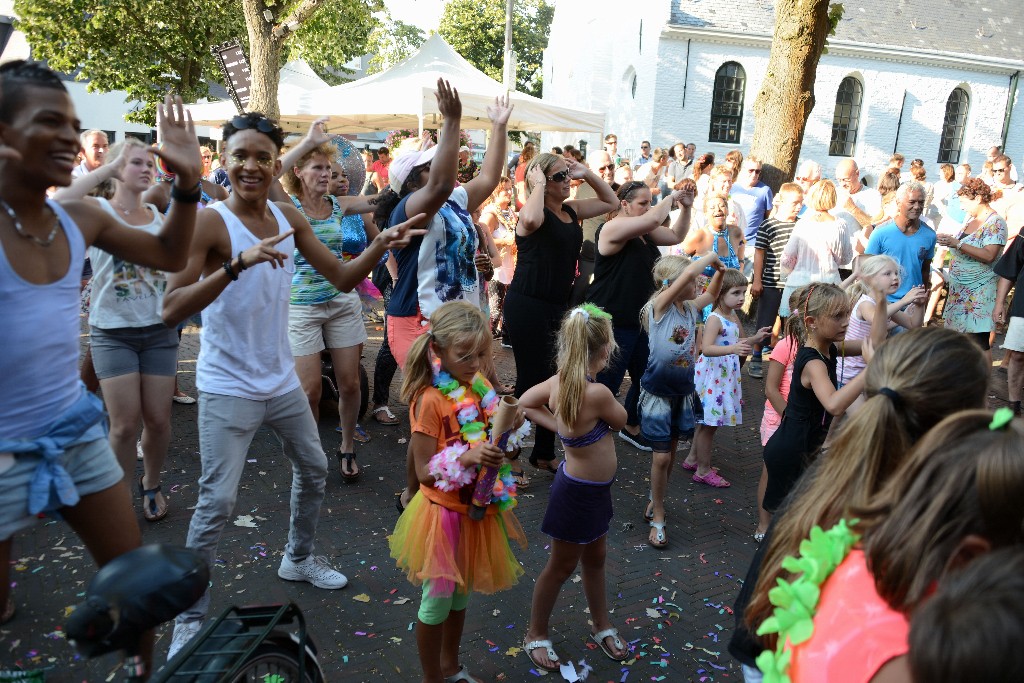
301	13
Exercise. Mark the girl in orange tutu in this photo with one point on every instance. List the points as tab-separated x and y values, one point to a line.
435	542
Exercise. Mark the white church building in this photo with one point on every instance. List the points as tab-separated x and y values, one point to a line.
932	79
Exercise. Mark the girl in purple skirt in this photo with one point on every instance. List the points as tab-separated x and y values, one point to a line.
580	507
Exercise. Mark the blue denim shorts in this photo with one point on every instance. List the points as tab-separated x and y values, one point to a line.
92	466
666	418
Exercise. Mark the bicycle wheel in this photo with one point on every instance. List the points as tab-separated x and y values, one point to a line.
275	663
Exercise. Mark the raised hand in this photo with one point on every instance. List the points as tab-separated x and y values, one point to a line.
687	193
761	335
448	102
536	177
118	162
179	147
317	134
576	169
264	252
398	236
500	110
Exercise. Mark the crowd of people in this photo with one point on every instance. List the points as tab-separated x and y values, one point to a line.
887	484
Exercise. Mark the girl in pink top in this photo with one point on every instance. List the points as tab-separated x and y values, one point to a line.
881	273
959	494
913	382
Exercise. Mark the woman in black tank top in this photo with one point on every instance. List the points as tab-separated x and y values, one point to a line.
548	237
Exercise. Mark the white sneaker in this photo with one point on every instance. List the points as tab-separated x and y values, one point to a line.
313	569
184	632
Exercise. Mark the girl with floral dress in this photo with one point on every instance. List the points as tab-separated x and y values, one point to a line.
717	375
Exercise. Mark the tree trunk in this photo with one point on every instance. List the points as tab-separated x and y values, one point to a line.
264	59
787	94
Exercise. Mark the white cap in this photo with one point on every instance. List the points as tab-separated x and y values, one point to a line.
408	156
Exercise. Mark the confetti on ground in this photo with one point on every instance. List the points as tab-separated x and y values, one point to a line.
362	597
246	521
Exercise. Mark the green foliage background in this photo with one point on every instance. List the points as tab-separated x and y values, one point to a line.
150	47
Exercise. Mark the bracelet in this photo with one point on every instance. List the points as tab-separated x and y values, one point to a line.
241	263
193	197
230	271
447	468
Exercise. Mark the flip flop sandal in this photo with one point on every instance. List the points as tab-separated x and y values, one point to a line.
150	510
536	645
649	511
612	633
660	541
712	478
549	467
521	479
348	466
384	416
460	676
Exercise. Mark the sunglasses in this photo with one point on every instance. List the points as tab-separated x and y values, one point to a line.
755	171
263	125
999	170
559	177
644	147
609	167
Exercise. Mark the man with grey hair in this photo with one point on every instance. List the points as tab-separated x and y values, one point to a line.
94	150
906	238
807	173
602	164
861	201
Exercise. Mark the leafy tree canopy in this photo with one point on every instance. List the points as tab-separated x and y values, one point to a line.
390	42
476	29
150	47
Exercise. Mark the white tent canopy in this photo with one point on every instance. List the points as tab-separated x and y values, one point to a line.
403	97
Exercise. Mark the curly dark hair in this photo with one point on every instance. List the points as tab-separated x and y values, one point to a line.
19	74
975	188
256	121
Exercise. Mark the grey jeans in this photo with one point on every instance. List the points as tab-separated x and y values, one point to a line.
226	428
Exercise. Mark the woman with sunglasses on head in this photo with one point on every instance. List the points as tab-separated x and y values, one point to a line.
239	273
548	239
54	452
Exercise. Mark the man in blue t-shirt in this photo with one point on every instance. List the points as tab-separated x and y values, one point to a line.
906	238
754	196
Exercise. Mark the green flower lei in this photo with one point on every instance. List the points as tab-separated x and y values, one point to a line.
796	602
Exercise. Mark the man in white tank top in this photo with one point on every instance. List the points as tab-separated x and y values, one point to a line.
239	274
54	451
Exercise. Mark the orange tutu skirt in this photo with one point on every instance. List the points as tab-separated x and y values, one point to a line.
436	542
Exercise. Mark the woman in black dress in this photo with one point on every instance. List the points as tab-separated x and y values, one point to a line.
548	238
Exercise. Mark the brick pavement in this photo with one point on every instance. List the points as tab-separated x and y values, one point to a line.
672	605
